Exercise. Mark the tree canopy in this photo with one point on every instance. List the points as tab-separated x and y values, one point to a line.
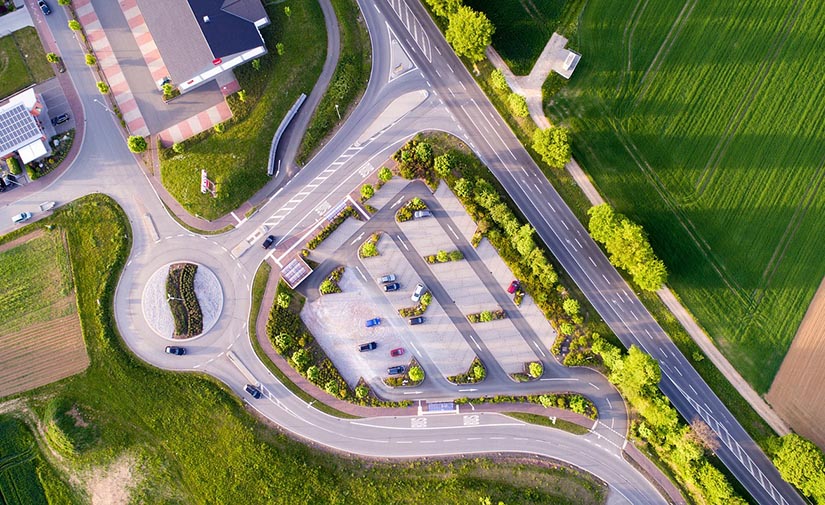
553	145
802	464
469	32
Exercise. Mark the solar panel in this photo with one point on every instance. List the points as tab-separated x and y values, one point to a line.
17	128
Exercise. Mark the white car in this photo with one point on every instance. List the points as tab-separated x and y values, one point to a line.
19	218
419	290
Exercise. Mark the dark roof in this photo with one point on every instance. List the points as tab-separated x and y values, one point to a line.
230	28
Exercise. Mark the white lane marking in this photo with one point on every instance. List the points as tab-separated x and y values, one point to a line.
357	238
436	50
462	84
473	438
537	189
560	379
605	279
595	386
538	348
551	207
634	315
609	405
648	334
402	242
678	371
451	69
664	354
565	225
437	72
453	232
360	273
413	393
450	440
591	260
580	244
416	349
472	389
691	388
494	130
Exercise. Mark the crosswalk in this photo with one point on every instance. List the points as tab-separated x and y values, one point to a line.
414	27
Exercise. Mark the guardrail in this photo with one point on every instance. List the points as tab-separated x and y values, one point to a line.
270	167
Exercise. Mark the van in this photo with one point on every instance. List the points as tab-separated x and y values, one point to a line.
19	218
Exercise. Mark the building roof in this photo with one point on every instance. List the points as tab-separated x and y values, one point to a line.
188	44
18	128
33	151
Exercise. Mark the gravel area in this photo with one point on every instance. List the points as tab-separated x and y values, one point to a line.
156	307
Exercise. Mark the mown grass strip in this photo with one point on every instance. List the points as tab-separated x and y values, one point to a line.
560	424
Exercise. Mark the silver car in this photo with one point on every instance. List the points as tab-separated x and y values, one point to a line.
419	290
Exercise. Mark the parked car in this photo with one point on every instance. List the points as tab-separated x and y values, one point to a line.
396	370
513	287
416	320
422	213
44	7
367	347
398	351
373	322
2	185
419	290
387	278
60	119
392	287
253	391
19	218
177	351
269	241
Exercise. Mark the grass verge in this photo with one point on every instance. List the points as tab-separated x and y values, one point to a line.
560	424
31	49
236	159
348	83
14	75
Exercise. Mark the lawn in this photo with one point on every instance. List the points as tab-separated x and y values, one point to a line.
348	83
236	159
523	27
704	123
148	414
22	61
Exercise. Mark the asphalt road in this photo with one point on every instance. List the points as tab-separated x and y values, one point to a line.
497	146
104	164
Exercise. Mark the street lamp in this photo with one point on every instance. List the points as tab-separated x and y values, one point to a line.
170	297
339	112
103	105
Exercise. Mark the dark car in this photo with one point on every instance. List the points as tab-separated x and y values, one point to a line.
269	241
416	320
367	347
177	351
392	287
44	7
513	287
253	391
373	322
60	119
396	370
398	351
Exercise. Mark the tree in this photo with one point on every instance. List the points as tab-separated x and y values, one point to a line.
74	25
566	328
362	392
424	152
463	188
64	2
416	374
498	81
535	369
280	49
637	374
802	464
52	58
486	316
442	256
704	434
283	342
256	64
385	174
332	387
523	240
301	359
102	87
478	371
313	374
220	128
283	299
518	105
469	32
367	191
443	8
570	306
137	144
444	165
553	146
91	60
287	11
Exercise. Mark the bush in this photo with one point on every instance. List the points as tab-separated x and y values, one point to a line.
498	81
313	374
52	58
102	87
535	369
137	144
91	60
332	388
566	328
14	166
369	249
518	105
220	127
486	316
74	25
416	374
362	391
456	255
385	174
178	148
442	256
444	164
571	307
64	2
367	192
331	227
301	358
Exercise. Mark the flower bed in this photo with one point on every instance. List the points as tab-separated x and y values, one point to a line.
419	309
486	316
532	371
475	374
333	225
330	285
180	291
413	377
369	248
444	257
405	213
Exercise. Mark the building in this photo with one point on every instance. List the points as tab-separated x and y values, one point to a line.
200	39
563	60
21	127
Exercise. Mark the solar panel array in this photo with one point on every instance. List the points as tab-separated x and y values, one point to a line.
17	128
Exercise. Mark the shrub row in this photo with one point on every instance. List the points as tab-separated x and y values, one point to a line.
476	373
405	213
486	316
180	291
370	247
444	257
330	284
419	309
39	168
566	401
413	377
333	225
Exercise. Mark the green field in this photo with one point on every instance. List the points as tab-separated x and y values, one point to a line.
236	159
158	418
523	27
22	61
36	282
704	122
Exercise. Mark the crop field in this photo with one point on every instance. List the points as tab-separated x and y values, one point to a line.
40	335
704	122
523	27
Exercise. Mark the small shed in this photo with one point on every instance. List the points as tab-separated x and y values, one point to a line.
295	272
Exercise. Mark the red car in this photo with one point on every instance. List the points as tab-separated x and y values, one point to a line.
513	287
397	352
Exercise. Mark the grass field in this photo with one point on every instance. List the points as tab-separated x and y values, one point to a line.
244	461
237	159
25	476
40	336
22	61
704	123
523	27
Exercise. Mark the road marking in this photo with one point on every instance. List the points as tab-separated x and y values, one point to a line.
591	260
402	242
403	442
357	238
595	386
691	388
663	352
453	231
453	71
450	440
473	389
413	393
539	349
519	438
360	272
565	225
580	244
551	207
474	341
426	441
451	92
462	83
495	131
677	371
648	334
437	72
609	405
634	315
537	189
605	279
473	438
397	202
416	349
560	379
498	438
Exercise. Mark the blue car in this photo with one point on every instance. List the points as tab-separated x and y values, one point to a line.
373	322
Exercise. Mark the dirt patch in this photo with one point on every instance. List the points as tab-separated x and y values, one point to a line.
112	485
78	417
797	393
21	240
